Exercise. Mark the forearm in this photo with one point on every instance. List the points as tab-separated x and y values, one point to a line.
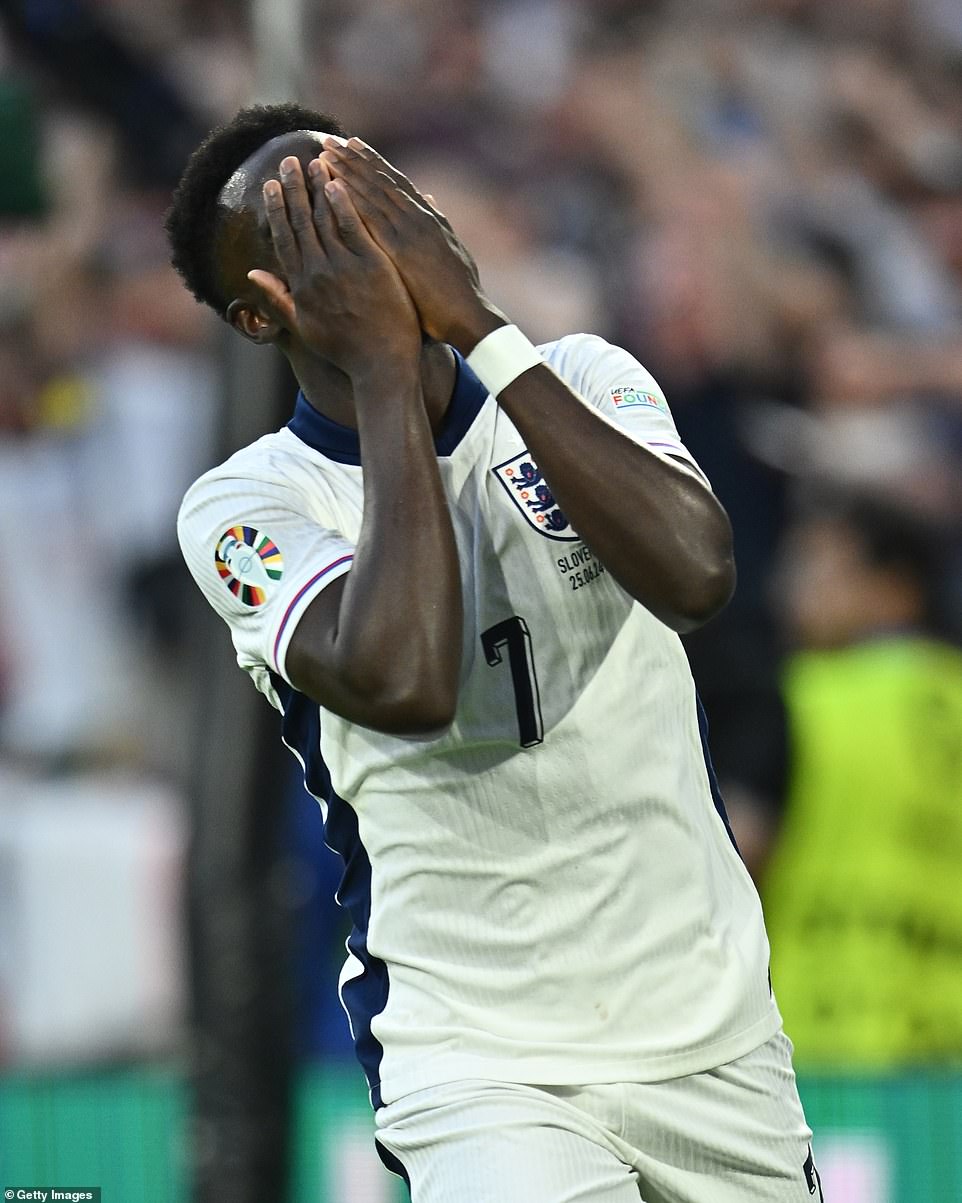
398	639
659	532
656	528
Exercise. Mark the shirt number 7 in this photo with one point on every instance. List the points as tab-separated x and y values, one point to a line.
513	634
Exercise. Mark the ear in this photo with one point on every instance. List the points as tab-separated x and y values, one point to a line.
253	322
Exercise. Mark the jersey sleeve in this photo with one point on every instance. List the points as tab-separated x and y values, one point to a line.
613	381
260	561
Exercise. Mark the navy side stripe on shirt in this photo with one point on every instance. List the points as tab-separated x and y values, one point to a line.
366	995
710	769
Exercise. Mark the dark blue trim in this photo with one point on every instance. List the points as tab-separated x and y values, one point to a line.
467	401
716	792
710	770
392	1163
366	995
340	443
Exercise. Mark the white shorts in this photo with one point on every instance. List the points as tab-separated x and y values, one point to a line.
736	1134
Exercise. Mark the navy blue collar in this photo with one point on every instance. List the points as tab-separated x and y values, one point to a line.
341	443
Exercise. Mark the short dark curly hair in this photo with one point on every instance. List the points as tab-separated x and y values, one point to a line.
194	219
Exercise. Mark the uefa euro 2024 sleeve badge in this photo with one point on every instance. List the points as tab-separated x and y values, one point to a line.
249	563
521	479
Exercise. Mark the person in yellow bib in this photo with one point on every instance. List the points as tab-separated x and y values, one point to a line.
862	894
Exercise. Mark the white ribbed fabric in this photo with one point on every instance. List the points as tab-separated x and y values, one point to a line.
553	895
733	1135
501	357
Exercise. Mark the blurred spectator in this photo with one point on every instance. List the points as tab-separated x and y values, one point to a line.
861	895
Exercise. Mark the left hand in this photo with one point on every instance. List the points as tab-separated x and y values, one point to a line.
434	264
338	291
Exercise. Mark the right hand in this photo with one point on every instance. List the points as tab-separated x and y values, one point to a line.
436	267
340	295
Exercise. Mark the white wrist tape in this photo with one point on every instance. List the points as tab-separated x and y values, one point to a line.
501	356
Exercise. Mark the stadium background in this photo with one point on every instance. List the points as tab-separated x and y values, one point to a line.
761	199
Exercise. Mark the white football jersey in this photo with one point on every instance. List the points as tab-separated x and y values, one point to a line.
547	891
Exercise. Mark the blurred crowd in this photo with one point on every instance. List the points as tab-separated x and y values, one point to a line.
761	199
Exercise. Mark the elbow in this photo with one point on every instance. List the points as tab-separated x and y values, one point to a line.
712	579
707	595
704	578
408	707
708	581
424	717
398	703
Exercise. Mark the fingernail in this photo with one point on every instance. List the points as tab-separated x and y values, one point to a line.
330	187
314	168
288	165
272	188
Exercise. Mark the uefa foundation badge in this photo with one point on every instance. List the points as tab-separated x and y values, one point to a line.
249	563
625	398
